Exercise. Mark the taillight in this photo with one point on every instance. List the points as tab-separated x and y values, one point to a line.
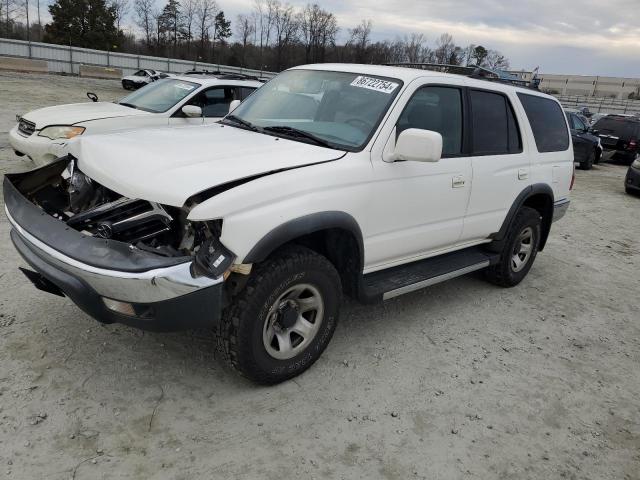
633	144
573	177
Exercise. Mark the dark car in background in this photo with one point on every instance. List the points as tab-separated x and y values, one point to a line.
619	135
586	146
632	180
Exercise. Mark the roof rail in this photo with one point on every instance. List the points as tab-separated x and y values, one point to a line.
224	75
474	71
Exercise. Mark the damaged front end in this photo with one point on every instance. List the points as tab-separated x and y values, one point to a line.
120	259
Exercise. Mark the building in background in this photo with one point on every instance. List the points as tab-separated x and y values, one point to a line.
619	88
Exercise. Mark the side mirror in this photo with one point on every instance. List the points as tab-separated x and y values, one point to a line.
233	105
192	111
418	145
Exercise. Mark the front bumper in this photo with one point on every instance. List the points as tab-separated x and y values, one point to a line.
632	180
162	293
560	209
41	150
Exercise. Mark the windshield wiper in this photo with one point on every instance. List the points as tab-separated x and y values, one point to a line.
295	132
240	121
128	105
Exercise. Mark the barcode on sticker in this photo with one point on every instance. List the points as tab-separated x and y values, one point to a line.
376	84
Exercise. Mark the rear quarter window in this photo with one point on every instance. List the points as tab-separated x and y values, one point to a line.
547	122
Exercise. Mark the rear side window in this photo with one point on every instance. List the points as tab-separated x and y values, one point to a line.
495	130
547	123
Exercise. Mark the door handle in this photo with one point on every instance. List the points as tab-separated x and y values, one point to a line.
523	174
458	181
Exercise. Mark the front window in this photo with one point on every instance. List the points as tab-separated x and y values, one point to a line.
159	96
342	110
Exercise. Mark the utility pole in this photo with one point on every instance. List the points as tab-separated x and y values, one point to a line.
39	24
28	27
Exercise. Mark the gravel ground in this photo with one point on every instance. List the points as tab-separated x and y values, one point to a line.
461	380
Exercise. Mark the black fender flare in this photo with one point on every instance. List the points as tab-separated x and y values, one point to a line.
547	217
301	226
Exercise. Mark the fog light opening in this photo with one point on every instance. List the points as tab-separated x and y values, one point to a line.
123	308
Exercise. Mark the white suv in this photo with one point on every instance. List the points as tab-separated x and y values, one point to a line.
42	135
366	180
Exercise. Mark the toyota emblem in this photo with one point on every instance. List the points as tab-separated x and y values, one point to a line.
104	230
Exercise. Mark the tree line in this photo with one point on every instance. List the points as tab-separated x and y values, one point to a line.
272	36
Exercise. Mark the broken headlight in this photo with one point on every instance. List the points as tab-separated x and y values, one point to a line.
212	258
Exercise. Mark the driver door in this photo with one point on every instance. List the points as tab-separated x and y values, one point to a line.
421	205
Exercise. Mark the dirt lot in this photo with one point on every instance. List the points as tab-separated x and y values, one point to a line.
462	380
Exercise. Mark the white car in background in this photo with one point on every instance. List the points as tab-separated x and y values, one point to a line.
142	78
42	135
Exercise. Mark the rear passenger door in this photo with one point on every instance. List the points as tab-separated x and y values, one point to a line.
501	169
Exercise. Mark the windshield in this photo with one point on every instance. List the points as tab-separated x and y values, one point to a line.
340	109
159	96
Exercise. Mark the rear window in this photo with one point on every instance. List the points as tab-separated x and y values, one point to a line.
620	127
547	122
495	130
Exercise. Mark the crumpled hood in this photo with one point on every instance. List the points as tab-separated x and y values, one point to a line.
79	112
169	165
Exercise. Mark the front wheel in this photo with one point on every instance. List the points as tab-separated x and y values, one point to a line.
589	161
519	250
284	318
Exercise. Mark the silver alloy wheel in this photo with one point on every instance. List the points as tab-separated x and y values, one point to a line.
283	343
523	249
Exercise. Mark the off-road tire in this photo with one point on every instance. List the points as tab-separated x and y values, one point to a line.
239	335
503	273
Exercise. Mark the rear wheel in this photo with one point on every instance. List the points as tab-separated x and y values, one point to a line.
284	318
519	250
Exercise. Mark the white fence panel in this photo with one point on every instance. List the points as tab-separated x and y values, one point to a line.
64	59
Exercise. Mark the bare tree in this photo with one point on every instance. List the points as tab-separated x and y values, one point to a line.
263	17
245	29
444	48
318	29
121	10
285	24
359	40
8	10
496	61
414	48
144	18
188	16
159	31
205	14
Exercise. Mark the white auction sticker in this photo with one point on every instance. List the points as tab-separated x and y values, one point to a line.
376	84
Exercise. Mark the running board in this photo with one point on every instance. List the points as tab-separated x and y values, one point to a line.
396	281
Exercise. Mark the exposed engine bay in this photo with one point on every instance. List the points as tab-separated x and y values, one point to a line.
65	193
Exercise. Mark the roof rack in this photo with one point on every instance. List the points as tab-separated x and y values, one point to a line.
224	75
474	71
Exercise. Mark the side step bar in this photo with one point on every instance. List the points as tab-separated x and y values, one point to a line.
396	281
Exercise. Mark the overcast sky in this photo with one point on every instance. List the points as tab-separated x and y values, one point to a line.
586	37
